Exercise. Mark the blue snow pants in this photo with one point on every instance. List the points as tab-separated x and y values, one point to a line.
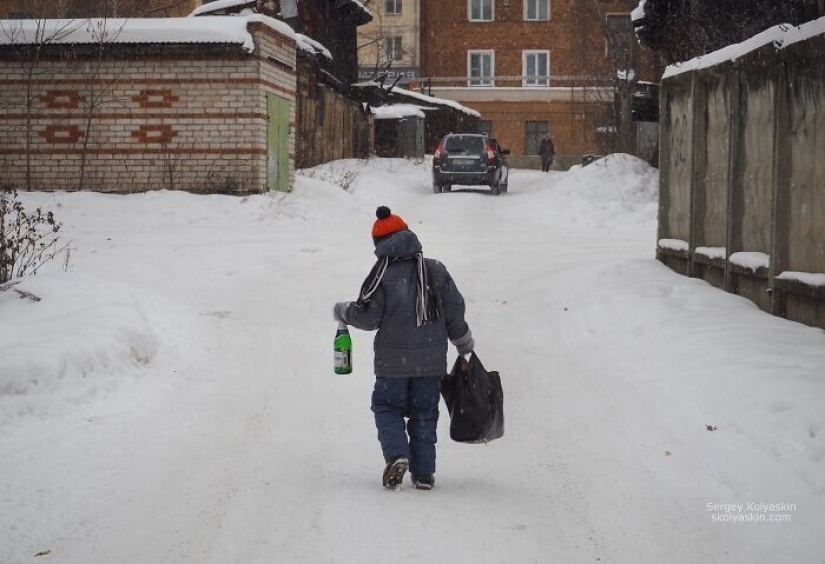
415	399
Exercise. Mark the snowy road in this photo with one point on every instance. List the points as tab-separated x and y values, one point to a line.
205	424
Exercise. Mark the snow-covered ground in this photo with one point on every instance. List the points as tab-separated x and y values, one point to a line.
171	398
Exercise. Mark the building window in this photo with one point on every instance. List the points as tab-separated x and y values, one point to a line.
536	10
481	65
533	133
392	6
481	10
535	68
393	49
484	126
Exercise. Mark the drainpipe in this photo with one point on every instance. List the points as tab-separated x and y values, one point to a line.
418	34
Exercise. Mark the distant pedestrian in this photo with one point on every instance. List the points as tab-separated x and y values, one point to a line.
547	151
414	304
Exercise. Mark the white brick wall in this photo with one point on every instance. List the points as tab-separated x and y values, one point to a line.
188	123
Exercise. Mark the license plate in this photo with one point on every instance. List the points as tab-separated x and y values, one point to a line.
464	161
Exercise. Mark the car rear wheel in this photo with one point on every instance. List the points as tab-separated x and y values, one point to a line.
446	187
496	188
436	187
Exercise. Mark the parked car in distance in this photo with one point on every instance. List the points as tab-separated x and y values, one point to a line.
469	159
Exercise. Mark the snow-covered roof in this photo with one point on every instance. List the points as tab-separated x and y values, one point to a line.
433	100
310	45
216	29
422	97
780	36
398	111
218	5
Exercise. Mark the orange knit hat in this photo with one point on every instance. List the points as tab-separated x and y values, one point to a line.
386	224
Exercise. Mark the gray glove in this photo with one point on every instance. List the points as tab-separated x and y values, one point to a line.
339	311
465	344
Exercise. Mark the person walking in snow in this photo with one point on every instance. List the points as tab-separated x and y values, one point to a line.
416	307
547	151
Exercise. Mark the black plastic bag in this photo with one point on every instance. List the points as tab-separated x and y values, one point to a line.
475	401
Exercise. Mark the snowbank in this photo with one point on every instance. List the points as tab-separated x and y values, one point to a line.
636	396
81	335
620	183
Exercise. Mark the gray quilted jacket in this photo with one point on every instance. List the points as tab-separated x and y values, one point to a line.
403	349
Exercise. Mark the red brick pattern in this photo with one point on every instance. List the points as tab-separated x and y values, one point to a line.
62	134
154	99
154	133
62	99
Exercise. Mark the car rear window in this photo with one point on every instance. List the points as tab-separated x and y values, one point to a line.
468	145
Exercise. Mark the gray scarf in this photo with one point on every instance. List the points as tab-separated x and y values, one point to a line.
426	309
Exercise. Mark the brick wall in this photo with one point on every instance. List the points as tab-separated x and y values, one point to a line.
278	70
133	123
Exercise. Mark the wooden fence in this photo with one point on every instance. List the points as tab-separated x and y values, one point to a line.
329	127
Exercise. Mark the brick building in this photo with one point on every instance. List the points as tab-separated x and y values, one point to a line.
198	104
390	41
537	66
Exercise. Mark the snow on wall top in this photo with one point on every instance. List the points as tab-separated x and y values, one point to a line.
216	29
781	36
218	5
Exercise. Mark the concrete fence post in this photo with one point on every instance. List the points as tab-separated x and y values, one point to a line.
733	239
782	177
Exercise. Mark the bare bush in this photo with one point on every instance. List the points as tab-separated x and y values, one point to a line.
27	240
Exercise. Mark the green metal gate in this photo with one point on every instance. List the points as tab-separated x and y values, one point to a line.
277	143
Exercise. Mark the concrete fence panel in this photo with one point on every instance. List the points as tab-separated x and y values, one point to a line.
801	245
677	170
742	190
712	176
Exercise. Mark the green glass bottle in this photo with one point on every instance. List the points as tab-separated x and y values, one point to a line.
343	350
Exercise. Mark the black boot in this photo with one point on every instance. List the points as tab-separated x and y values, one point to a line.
423	482
394	472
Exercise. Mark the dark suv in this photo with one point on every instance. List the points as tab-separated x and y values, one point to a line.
470	160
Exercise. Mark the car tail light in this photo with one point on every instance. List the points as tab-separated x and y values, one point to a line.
437	154
491	155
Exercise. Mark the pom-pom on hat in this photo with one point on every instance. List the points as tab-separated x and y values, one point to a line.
386	224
